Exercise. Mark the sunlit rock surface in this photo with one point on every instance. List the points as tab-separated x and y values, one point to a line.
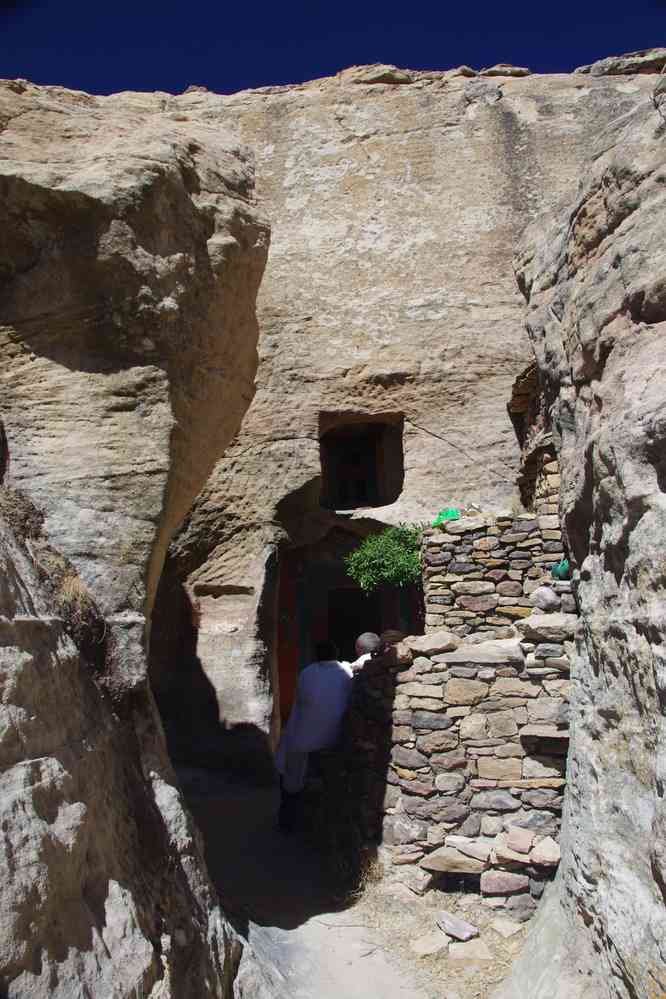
596	285
130	256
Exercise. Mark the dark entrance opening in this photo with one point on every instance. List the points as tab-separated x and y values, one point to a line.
317	600
361	461
351	612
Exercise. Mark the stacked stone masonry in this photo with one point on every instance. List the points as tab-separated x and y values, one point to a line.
474	764
480	572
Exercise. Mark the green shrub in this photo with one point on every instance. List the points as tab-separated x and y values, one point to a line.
390	558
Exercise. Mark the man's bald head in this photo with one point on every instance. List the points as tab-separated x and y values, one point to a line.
366	643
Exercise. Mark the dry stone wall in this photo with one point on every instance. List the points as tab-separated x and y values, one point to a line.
459	740
481	572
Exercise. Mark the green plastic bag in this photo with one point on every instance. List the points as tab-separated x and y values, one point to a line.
451	513
562	570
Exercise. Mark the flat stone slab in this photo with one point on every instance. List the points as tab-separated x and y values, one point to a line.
472	951
548	627
447	860
519	839
505	927
456	927
429	943
471	847
544	732
500	650
431	644
503	883
465	524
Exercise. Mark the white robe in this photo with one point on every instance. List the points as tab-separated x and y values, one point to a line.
322	698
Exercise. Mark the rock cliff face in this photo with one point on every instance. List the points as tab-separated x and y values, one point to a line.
130	257
396	200
597	316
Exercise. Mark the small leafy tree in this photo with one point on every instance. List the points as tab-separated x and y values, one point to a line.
390	558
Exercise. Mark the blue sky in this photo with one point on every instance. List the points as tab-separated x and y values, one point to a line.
142	45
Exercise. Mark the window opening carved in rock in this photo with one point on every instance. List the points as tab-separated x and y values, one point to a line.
361	461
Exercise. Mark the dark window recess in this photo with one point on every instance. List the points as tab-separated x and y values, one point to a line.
362	465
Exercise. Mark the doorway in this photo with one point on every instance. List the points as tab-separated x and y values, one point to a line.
351	612
318	600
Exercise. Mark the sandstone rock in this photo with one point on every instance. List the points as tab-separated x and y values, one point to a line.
437	741
449	783
446	860
473	727
263	497
413	877
511	686
422	785
543	799
419	689
407	854
544	709
470	847
503	854
542	766
503	883
491	825
548	650
465	524
520	840
500	651
506	928
132	253
505	69
645	61
444	811
480	605
472	952
455	759
495	801
521	907
474	587
610	472
545	599
501	724
408	757
548	627
465	691
432	643
508	769
546	853
424	720
471	827
456	927
429	944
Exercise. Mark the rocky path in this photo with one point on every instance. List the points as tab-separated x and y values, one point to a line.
275	891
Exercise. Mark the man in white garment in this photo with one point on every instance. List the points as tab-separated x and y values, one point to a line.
367	645
322	698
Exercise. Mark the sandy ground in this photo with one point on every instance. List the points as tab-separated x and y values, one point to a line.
278	893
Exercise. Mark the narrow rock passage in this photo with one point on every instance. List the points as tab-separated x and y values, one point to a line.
277	892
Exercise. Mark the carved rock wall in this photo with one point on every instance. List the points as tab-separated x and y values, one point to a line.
130	256
596	286
396	200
